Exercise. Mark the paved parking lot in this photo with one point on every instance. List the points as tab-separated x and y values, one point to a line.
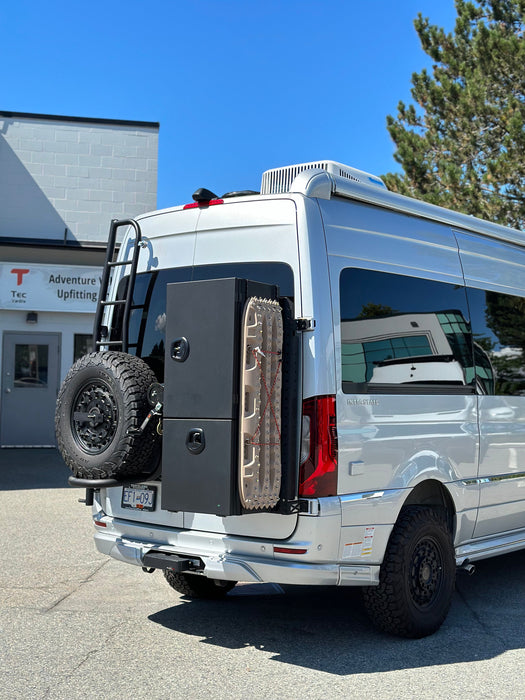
74	624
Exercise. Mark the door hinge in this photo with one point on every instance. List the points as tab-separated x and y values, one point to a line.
292	507
304	324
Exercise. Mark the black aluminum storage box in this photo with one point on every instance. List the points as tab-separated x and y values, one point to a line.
201	393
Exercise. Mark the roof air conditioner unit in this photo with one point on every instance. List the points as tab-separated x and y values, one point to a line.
279	180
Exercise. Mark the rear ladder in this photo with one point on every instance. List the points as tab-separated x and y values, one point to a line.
101	334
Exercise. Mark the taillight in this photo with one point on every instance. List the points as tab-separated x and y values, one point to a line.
318	469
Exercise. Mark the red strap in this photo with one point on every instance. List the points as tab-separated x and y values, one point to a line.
269	393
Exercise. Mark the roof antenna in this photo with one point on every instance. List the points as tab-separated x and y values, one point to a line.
203	195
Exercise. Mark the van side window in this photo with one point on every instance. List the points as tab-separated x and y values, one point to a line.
403	334
498	325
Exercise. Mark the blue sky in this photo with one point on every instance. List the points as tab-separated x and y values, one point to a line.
237	86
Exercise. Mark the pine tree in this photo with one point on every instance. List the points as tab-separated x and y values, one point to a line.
462	144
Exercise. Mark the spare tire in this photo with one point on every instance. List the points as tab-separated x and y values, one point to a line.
100	407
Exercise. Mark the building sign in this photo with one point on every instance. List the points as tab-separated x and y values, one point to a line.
31	287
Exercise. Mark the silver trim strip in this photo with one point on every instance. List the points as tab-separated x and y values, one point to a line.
363	496
492	479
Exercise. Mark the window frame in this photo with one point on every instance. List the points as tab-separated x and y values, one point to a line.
408	388
141	308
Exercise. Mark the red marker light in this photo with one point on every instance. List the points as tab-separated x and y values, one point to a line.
203	205
289	550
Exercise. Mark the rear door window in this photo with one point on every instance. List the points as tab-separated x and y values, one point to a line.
148	316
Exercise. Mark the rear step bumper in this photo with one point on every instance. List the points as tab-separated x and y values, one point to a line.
229	567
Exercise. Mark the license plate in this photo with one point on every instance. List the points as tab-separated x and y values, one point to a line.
139	497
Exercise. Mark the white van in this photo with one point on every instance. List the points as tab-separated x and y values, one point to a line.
322	383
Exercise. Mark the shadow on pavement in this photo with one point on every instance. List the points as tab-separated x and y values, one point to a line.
327	628
39	468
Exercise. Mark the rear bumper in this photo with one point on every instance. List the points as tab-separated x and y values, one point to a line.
248	568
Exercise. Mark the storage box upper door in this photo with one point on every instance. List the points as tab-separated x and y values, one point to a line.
202	364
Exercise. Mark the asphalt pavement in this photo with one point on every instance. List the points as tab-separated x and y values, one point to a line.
75	624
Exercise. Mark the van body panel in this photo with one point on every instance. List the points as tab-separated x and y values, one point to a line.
492	264
167	236
357	508
389	240
319	361
499	267
385	441
268	525
365	544
250	231
172	239
407	438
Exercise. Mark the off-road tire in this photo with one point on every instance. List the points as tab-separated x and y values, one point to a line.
417	577
195	586
111	388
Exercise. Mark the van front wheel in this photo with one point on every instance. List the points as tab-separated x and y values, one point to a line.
417	577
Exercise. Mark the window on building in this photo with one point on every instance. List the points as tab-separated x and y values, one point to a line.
83	344
31	366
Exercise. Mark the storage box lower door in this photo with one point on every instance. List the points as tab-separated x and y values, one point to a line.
199	466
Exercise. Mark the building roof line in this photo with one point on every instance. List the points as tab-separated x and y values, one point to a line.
18	242
87	120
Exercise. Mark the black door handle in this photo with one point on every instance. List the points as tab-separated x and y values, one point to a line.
180	349
195	441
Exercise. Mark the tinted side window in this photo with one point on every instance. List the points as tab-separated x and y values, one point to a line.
404	334
498	325
148	316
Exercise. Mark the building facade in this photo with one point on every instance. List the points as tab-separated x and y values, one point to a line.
62	180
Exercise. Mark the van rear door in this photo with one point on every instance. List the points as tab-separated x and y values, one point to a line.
248	239
254	240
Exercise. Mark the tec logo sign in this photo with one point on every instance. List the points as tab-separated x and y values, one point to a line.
15	294
19	275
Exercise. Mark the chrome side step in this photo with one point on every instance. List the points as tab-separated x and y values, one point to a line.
490	547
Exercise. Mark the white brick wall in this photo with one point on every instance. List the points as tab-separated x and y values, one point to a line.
76	175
